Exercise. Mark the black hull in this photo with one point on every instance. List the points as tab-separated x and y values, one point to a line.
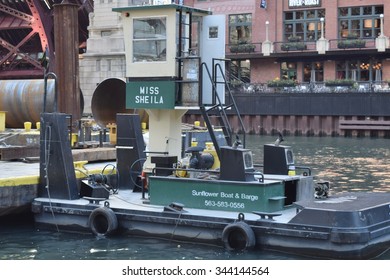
348	241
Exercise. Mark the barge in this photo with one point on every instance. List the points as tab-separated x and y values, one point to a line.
236	206
210	195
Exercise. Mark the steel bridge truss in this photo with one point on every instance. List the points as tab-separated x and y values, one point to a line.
27	36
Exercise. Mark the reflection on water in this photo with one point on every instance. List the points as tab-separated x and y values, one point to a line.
19	241
22	242
350	164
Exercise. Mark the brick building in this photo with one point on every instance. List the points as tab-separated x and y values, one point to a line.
295	29
309	50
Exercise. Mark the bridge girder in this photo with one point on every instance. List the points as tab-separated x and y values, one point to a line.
26	32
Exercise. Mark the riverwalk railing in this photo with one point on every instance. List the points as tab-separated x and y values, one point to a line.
365	124
311	87
280	47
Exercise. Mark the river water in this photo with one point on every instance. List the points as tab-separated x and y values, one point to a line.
350	164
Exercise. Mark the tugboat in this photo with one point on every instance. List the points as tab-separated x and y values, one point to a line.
210	195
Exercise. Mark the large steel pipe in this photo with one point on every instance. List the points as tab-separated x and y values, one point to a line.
109	99
22	100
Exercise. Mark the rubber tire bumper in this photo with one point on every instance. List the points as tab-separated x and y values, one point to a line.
238	236
103	221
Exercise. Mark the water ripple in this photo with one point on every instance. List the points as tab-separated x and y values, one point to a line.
349	164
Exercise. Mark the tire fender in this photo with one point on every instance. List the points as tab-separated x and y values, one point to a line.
238	236
103	221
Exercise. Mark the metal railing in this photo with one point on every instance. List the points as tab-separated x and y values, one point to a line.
301	46
312	87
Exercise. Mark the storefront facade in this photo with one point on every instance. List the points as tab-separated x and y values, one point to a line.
311	67
294	28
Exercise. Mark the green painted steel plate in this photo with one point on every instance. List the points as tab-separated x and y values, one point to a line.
150	94
217	194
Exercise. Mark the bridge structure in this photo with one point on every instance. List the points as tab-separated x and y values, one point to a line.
27	35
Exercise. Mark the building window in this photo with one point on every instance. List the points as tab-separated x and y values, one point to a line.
240	28
365	70
313	72
109	64
362	22
149	39
241	70
105	33
213	32
288	71
97	65
303	24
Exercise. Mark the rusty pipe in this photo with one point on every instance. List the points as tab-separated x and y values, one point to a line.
22	100
109	99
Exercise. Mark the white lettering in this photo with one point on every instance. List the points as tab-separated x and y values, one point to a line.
295	3
301	3
249	197
204	193
142	99
149	90
149	99
154	90
227	195
311	2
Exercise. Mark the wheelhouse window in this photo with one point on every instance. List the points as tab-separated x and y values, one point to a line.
362	22
149	39
240	28
303	24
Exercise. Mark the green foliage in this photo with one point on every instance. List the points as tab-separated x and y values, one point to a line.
281	83
352	41
340	82
294	44
242	48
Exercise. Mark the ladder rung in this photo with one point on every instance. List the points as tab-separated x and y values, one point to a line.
229	106
212	108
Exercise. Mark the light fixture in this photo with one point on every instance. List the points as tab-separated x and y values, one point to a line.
312	26
381	19
368	23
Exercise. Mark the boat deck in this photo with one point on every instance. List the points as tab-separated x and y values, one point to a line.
348	202
129	200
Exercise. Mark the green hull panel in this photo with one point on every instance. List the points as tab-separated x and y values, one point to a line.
217	194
